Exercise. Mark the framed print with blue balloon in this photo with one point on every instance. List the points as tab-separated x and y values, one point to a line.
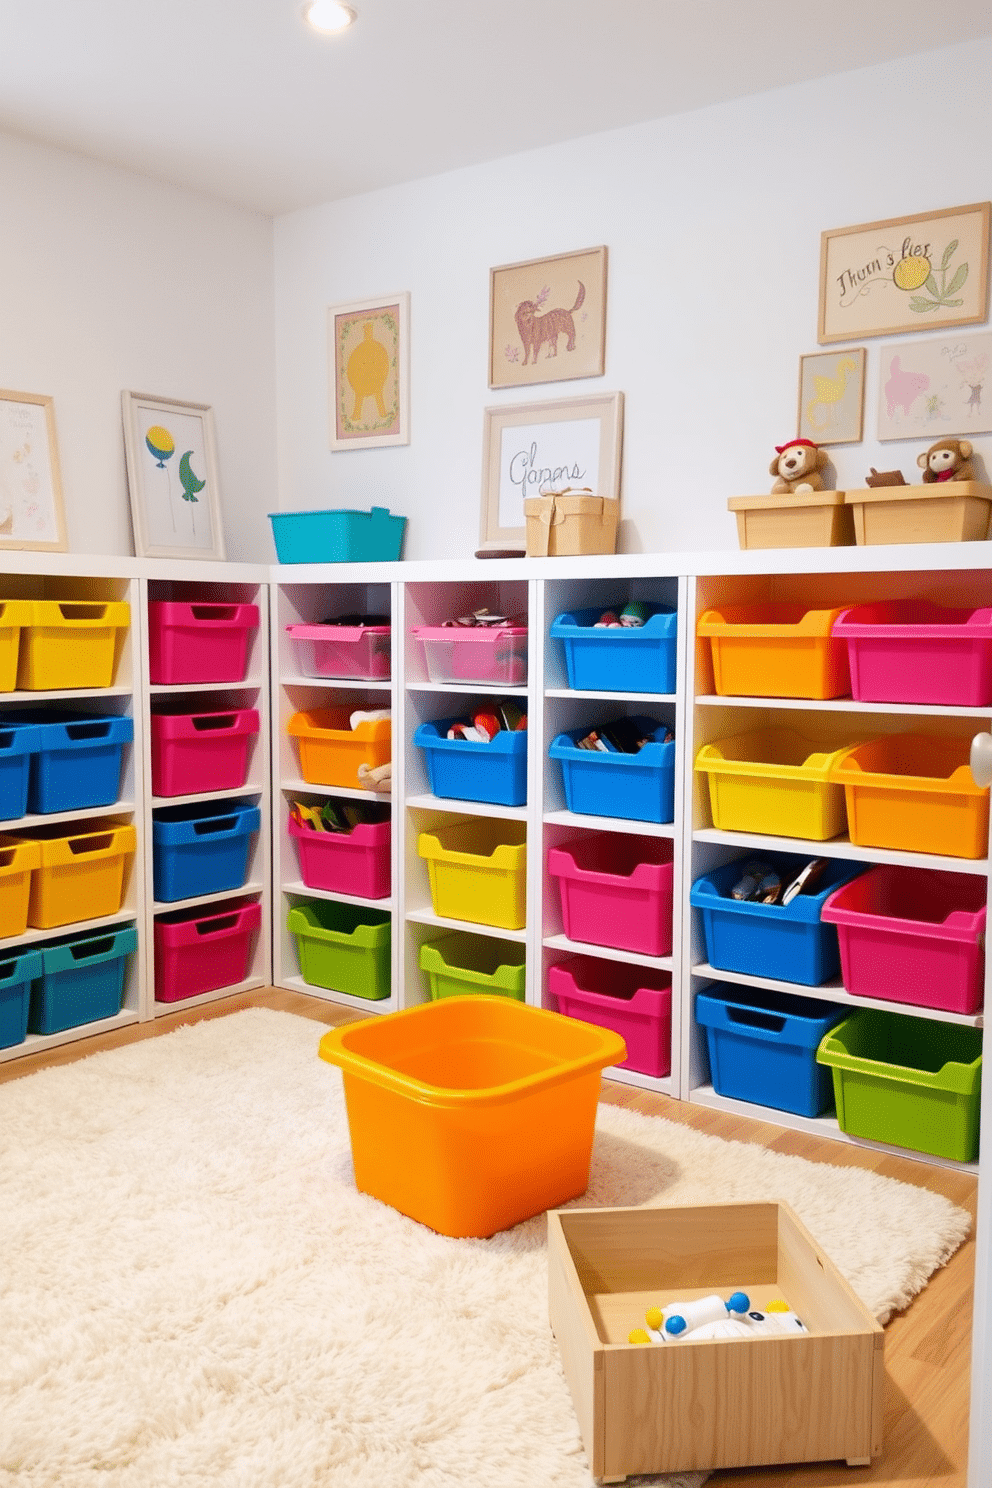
172	478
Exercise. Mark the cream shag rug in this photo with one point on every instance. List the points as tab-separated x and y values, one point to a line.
192	1291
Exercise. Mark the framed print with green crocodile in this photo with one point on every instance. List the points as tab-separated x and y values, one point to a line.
172	478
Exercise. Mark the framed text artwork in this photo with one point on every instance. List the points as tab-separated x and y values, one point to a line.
905	274
31	510
832	396
172	478
547	319
369	378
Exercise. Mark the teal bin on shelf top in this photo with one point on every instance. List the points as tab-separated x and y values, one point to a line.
374	536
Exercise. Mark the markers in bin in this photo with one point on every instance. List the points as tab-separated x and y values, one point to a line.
760	884
622	737
486	723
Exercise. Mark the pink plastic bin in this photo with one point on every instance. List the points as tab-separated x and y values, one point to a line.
200	950
342	650
633	1002
616	891
355	862
475	653
912	935
912	651
197	752
199	642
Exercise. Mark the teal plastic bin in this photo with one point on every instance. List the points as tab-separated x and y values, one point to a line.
343	947
16	975
374	536
82	980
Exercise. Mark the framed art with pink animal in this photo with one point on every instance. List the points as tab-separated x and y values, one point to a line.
936	388
547	319
369	372
832	396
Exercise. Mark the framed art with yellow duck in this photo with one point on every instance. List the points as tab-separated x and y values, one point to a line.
832	396
368	372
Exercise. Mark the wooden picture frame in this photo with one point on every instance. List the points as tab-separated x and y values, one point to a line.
832	396
172	478
932	388
369	372
905	274
547	319
32	512
531	449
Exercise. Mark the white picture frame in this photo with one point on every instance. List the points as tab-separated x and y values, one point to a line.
172	479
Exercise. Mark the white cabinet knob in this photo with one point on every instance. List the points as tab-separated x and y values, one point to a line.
981	759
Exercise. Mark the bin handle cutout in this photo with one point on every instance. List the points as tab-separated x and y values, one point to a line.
79	845
82	611
215	721
753	1018
218	923
7	970
7	855
212	611
7	738
92	948
215	824
92	730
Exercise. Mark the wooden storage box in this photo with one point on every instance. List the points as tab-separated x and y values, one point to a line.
568	526
954	511
815	519
732	1402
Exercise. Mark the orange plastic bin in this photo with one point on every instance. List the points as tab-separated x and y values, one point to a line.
472	1113
915	792
331	750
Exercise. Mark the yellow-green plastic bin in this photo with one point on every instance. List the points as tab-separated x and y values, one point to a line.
343	947
459	964
911	1082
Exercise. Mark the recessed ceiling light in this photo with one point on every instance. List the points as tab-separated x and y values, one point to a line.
329	15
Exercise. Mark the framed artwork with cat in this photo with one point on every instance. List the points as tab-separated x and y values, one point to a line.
547	319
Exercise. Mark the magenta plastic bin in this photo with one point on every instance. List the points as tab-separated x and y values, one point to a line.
616	891
634	1002
475	653
201	950
342	650
199	642
197	752
912	651
355	862
912	935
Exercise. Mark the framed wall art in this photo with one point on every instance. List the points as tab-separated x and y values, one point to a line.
31	511
905	274
936	388
172	478
369	376
547	319
832	396
534	449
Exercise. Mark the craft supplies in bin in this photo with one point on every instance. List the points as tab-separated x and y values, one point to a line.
913	651
460	964
334	742
470	1114
193	753
202	950
775	650
636	786
18	861
14	615
82	979
18	742
375	536
199	641
633	1001
78	760
495	654
493	770
911	1082
333	649
622	657
343	947
916	792
16	975
616	891
70	644
477	871
762	1046
202	848
773	780
912	935
355	860
784	942
82	871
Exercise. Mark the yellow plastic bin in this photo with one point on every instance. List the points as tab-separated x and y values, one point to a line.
70	644
81	874
14	616
773	780
916	792
331	750
473	1113
477	871
775	650
18	860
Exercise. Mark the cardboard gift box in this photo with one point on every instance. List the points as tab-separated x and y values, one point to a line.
570	524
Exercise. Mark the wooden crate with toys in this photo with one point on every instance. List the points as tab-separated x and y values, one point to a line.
952	504
799	512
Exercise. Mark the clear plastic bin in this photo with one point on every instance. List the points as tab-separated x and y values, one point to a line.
361	651
475	653
775	650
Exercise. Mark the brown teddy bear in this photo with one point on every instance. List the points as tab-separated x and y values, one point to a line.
947	460
797	466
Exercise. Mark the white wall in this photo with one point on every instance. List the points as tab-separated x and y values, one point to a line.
110	281
713	223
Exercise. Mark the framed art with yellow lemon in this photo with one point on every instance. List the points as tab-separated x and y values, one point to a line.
905	274
172	478
369	378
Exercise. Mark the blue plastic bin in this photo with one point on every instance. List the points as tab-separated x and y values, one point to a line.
786	942
637	787
201	848
16	975
631	659
374	536
78	760
82	980
18	742
762	1047
464	770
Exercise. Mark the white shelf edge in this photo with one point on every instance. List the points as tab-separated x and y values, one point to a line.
841	705
341	999
247	684
304	891
252	788
57	695
468	808
163	1009
609	824
428	917
841	847
834	991
39	1043
31	936
85	813
346	792
658	1084
349	684
488	689
597	694
168	906
606	953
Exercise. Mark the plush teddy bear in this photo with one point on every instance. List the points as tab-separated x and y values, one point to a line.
797	466
947	460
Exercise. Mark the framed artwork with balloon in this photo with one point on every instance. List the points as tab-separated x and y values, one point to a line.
172	478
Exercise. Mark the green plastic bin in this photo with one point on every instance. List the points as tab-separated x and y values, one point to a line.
458	964
343	947
911	1082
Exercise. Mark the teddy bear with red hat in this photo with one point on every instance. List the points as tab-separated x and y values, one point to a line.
797	466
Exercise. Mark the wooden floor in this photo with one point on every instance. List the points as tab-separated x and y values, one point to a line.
927	1348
